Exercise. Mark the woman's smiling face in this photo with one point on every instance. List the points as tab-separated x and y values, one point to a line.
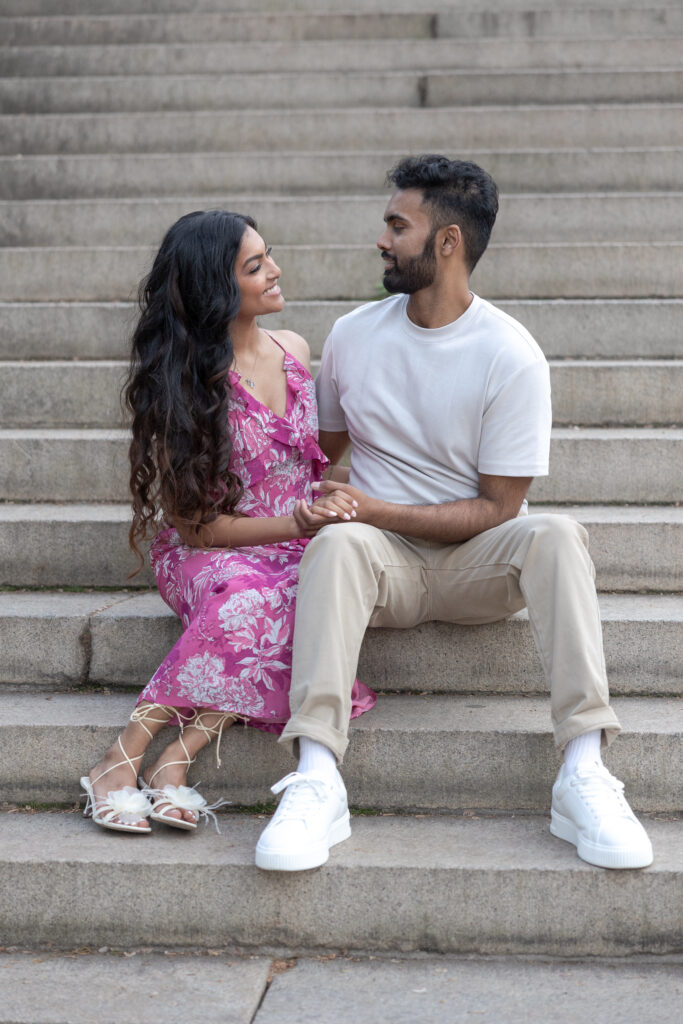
257	274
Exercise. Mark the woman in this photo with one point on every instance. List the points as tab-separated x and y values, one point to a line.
223	458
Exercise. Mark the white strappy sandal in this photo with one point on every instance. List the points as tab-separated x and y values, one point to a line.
128	805
185	798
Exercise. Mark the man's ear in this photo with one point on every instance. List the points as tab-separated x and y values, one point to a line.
450	240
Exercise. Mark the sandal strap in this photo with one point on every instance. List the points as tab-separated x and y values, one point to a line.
127	760
144	713
216	729
187	762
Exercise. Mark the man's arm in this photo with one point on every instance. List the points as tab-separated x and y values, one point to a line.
500	499
333	443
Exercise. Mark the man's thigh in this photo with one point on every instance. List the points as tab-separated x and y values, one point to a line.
478	581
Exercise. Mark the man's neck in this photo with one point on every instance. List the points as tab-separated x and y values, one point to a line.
432	307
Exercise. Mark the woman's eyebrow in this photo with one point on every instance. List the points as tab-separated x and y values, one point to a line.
259	256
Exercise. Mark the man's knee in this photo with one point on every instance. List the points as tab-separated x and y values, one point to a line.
341	542
560	531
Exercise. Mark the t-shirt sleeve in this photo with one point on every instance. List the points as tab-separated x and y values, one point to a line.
515	435
330	412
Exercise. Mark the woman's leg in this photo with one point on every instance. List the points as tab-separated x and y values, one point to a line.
171	767
119	766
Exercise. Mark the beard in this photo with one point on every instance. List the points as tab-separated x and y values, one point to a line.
414	273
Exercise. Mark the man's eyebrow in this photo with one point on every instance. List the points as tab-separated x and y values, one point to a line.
395	216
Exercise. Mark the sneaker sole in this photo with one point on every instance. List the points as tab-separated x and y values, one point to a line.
594	853
312	857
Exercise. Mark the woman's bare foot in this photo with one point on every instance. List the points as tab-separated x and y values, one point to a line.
165	773
113	773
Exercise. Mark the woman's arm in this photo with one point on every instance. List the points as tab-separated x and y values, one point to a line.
236	531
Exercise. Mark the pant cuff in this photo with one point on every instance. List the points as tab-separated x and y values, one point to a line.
587	721
313	729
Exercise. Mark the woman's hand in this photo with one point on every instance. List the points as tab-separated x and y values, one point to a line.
364	508
327	509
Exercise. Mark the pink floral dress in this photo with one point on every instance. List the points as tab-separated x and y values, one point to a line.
237	604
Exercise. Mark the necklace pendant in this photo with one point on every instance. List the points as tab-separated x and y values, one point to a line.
250	382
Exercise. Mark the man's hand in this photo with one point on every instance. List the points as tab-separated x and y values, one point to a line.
327	509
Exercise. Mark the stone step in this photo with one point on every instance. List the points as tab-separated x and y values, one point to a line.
487	753
355	219
435	883
472	23
316	89
635	548
339	55
385	990
61	8
576	328
589	464
60	640
532	270
81	393
535	126
131	175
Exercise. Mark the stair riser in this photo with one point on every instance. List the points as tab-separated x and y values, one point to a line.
81	394
443	888
325	55
314	90
490	128
131	176
462	768
100	640
348	272
352	220
628	557
646	329
654	21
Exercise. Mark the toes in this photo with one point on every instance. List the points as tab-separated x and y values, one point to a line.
190	816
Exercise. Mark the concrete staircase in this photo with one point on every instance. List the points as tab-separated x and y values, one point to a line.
117	121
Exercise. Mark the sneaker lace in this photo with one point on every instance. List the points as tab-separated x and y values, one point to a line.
601	792
303	793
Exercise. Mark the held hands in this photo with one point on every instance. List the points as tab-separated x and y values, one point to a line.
338	503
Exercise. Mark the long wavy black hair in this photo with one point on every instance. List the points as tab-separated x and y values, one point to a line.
178	386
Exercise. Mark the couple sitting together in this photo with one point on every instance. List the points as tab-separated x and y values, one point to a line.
277	559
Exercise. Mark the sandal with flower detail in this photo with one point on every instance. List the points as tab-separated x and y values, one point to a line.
181	798
128	805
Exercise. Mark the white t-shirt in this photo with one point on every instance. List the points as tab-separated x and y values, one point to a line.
428	410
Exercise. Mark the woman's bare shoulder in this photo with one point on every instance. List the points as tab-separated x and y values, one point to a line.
294	344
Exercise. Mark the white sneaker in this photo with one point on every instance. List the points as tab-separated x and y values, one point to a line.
311	817
589	809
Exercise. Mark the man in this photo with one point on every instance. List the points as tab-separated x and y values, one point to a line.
446	403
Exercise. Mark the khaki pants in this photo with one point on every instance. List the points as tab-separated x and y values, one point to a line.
353	575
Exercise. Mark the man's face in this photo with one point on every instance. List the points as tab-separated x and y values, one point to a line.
407	244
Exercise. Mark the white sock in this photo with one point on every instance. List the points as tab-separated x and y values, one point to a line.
583	750
316	757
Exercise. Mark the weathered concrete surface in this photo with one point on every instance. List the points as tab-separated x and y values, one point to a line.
327	55
565	328
82	393
49	545
594	464
141	26
543	127
350	220
440	884
369	88
43	988
65	175
68	546
537	270
140	988
474	752
119	639
448	991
